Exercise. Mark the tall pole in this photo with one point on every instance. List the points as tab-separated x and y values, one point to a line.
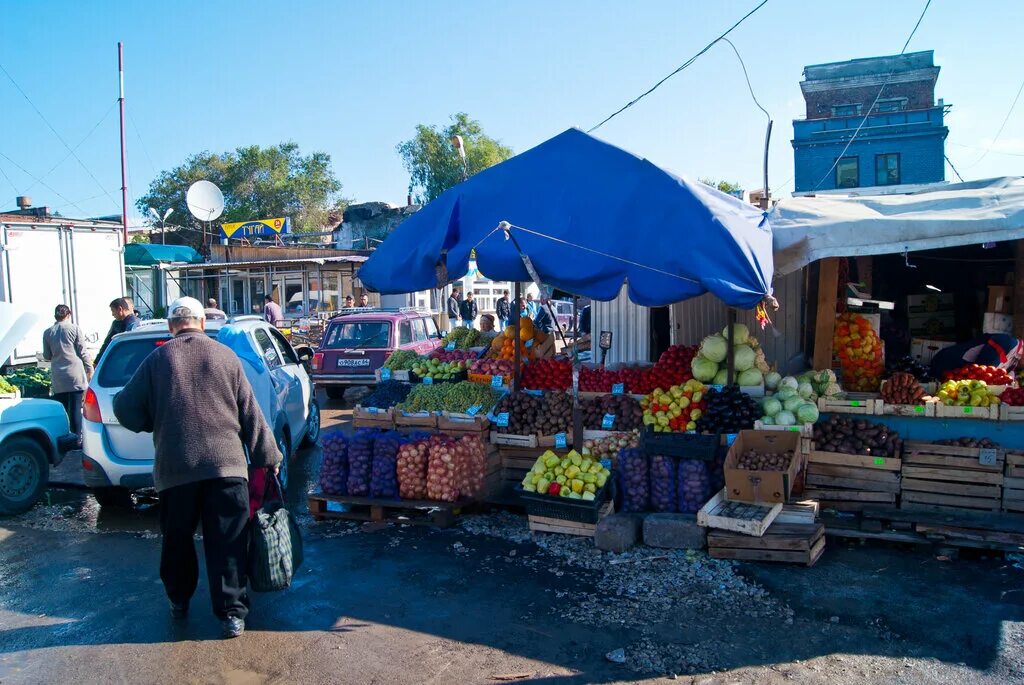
124	157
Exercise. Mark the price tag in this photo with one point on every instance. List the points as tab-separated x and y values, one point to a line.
561	441
528	344
618	389
608	421
373	410
879	461
716	386
968	410
919	409
428	380
474	410
535	393
450	347
730	438
336	507
987	456
854	403
503	420
496	381
385	374
791	429
607	463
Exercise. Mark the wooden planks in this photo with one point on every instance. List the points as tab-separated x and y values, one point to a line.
825	314
782	542
947	477
1013	493
849	482
860	461
739	517
547	524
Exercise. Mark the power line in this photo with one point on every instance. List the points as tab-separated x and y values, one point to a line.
14	187
681	67
80	143
1001	127
152	167
43	183
747	77
950	162
998	152
875	103
54	131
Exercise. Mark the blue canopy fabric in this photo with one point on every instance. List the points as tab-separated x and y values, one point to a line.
590	216
236	338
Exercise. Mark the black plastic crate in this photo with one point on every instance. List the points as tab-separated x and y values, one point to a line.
687	445
580	511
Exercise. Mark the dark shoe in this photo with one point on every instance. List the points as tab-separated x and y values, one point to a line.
179	610
231	627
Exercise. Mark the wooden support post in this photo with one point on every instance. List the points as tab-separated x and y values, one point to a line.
865	272
1018	291
825	321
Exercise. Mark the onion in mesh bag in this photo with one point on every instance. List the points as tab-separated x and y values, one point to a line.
441	471
412	469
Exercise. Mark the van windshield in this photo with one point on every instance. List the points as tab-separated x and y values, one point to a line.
358	335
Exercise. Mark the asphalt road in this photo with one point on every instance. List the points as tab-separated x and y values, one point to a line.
80	601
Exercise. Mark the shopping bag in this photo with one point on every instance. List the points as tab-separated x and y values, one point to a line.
275	549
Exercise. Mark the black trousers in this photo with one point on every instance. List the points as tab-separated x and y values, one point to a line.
222	505
72	402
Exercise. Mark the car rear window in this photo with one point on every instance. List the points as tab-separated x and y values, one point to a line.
123	358
357	335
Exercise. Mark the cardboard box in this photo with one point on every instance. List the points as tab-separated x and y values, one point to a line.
743	485
997	323
1000	299
929	303
924	349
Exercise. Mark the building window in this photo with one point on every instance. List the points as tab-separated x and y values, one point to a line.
851	110
847	173
891	105
887	170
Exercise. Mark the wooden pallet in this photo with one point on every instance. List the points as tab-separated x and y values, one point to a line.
547	524
782	542
737	517
415	512
951	477
931	525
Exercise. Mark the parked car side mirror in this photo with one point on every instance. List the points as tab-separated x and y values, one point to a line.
304	353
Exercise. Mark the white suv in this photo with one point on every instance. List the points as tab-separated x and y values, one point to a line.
118	461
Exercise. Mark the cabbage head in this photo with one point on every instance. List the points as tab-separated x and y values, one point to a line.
745	357
714	347
808	413
785	418
740	333
703	369
750	377
771	380
771	406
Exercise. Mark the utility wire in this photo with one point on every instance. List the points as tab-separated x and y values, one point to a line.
43	183
998	152
747	77
14	187
1000	131
681	67
950	162
145	151
54	131
80	143
875	103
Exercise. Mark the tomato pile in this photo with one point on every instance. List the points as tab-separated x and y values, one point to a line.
548	374
673	367
992	375
860	352
1013	397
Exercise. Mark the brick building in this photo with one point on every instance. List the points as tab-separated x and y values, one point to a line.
901	142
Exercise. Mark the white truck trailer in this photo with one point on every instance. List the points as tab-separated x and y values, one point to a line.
48	262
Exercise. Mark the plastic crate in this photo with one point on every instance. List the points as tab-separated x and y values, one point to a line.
564	508
686	445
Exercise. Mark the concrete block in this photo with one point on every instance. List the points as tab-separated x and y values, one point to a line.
674	531
618	532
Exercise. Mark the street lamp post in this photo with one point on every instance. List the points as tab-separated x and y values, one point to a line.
161	220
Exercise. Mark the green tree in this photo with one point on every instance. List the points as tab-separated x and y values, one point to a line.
724	186
257	182
433	162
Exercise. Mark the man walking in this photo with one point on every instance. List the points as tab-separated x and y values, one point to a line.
70	365
272	313
503	308
124	320
213	311
454	310
468	310
192	394
364	300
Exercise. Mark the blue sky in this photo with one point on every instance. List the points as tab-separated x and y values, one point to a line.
354	78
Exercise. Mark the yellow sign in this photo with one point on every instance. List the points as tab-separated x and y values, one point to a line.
259	227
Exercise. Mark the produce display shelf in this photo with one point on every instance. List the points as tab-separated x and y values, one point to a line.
371	509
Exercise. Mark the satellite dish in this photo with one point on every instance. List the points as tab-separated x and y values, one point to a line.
205	201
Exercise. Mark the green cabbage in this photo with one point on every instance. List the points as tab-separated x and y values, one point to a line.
793	403
714	347
785	393
722	377
768	420
808	413
789	382
785	418
805	390
740	333
745	357
750	377
703	369
771	380
771	406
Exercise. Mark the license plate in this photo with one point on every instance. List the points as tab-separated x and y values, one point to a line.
353	362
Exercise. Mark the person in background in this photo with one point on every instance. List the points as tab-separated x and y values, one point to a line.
542	320
124	320
524	311
454	310
998	349
272	313
213	312
193	396
70	365
585	320
486	323
349	302
532	306
468	310
364	300
503	308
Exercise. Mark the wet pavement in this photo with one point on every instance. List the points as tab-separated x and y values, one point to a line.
487	601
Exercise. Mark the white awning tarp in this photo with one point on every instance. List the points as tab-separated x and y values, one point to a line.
810	228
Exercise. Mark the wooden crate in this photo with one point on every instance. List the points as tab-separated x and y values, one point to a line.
1014	465
737	517
462	422
370	509
949	476
926	409
417	420
855	403
1008	413
782	542
512	440
943	411
399	375
849	482
804	429
1013	494
372	417
547	524
799	512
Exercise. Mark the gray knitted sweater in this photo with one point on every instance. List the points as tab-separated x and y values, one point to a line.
192	394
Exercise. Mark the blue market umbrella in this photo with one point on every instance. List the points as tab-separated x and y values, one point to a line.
590	216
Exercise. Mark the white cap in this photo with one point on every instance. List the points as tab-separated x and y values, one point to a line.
186	308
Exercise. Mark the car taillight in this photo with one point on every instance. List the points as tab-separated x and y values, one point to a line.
91	407
318	361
